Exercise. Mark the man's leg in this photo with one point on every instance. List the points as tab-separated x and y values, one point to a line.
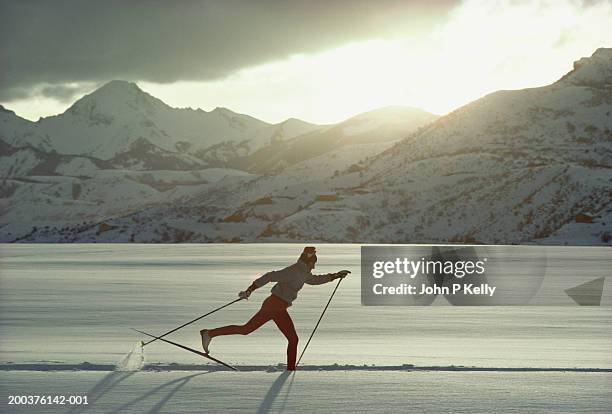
261	317
285	324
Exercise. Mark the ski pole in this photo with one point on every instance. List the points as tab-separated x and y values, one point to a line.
319	321
192	321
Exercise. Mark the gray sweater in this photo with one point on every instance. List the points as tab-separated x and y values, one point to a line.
291	279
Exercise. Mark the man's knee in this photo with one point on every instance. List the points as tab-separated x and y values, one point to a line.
293	340
246	329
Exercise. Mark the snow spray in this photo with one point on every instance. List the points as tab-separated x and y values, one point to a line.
133	360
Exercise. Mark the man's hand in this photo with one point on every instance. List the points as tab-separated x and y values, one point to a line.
246	293
341	274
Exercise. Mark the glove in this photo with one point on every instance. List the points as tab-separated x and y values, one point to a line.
246	293
341	274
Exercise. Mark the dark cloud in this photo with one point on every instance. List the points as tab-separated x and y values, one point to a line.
59	42
64	92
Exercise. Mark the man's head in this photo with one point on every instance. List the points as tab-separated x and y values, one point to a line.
309	256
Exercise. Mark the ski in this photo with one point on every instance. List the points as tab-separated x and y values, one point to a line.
195	351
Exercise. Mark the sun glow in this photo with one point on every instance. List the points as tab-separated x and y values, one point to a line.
483	46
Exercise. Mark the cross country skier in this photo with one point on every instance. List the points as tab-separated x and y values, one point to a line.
288	283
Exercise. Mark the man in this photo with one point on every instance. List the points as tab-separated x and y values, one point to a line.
289	281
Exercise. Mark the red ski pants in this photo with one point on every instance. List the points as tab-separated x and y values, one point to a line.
273	308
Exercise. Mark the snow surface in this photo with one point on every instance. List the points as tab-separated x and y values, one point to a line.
77	167
67	338
93	294
308	392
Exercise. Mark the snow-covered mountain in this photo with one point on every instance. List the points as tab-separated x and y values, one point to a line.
375	127
524	166
119	150
125	125
514	166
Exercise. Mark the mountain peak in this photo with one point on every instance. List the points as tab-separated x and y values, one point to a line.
118	85
115	97
222	110
6	113
118	89
595	70
393	113
296	122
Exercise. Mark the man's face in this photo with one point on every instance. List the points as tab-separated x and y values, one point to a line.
313	261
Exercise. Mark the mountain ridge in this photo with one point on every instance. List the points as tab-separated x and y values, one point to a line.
106	122
512	167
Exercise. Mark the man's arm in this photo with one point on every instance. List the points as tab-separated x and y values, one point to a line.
273	276
320	279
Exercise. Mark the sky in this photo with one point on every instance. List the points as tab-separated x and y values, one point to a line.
320	61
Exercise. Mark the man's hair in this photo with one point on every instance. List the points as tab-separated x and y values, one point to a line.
309	255
309	250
